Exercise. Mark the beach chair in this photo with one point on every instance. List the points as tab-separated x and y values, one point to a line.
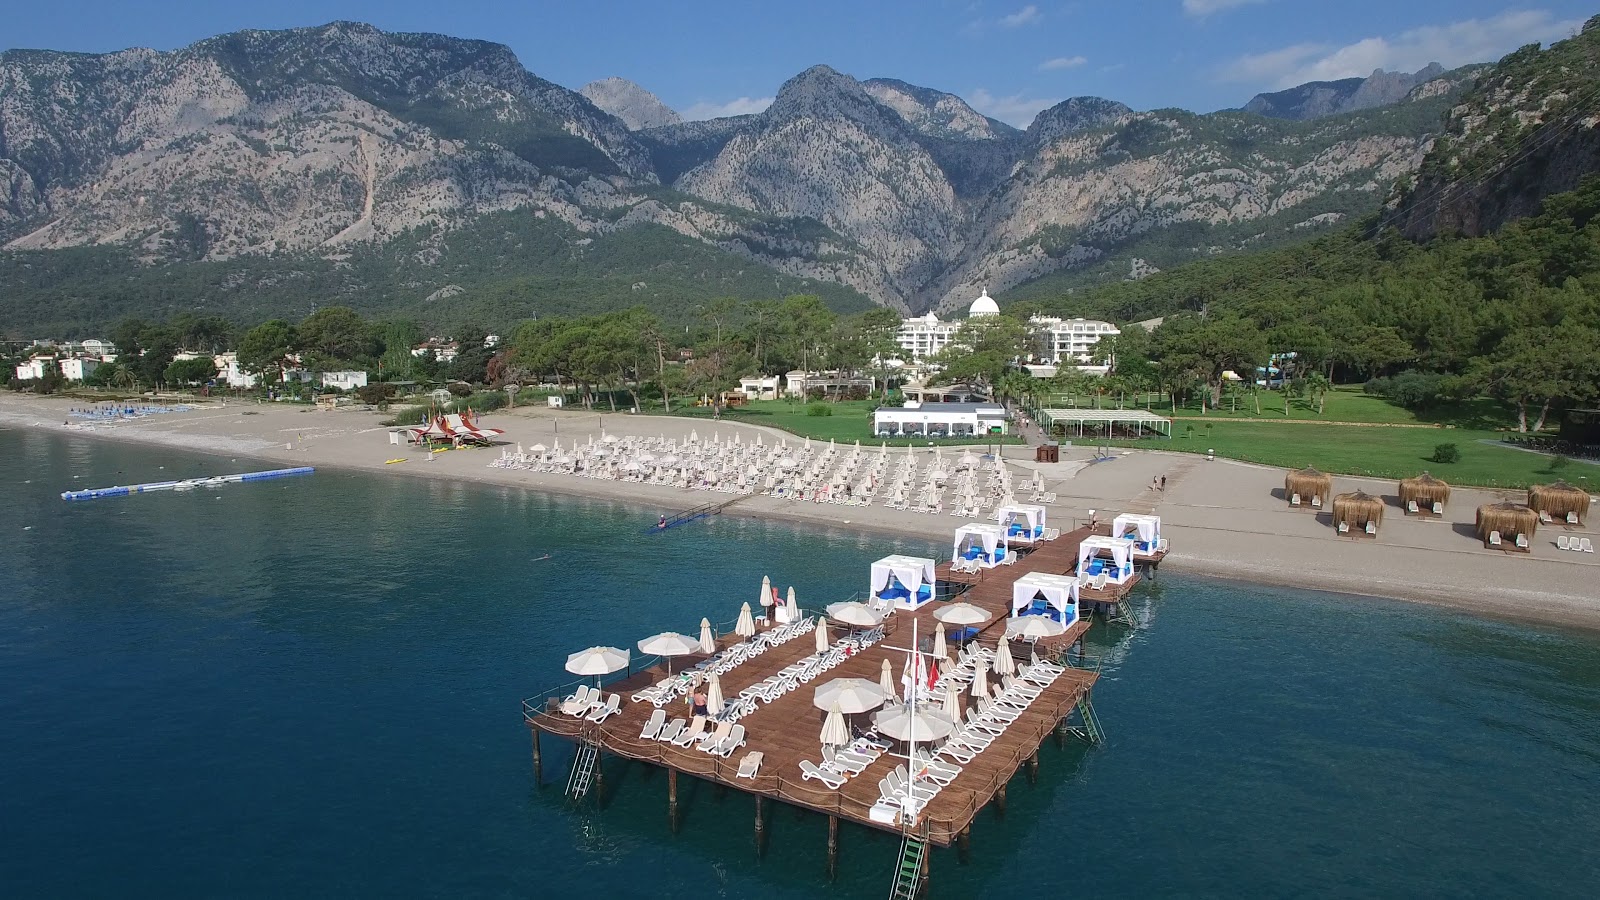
1316	502
1572	517
1544	518
1372	529
900	778
1438	509
1344	527
750	765
1411	507
1294	499
844	762
732	742
580	702
652	725
1522	542
602	713
1100	581
695	731
1494	538
1562	543
810	772
711	740
673	729
1586	545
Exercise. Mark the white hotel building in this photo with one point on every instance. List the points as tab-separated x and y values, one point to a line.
1056	340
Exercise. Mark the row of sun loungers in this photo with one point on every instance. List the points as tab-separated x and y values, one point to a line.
665	691
792	676
840	764
715	738
591	704
1545	518
1582	545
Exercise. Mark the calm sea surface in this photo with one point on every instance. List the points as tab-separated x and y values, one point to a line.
310	688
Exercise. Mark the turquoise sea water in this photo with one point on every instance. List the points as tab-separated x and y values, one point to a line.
310	687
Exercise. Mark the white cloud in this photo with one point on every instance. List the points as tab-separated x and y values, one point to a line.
1014	110
1200	9
737	107
1454	44
1062	62
1027	15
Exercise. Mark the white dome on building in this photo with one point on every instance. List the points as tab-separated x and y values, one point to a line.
983	306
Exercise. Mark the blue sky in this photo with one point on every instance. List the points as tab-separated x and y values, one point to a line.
1008	59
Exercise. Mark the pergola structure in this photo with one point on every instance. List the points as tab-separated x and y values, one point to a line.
1138	421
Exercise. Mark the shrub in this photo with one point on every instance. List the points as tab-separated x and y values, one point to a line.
1414	390
1558	462
459	388
819	409
1446	453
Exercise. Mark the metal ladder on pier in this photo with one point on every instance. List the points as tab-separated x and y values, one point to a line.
908	873
1089	727
583	763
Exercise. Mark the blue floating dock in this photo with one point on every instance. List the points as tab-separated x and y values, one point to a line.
185	484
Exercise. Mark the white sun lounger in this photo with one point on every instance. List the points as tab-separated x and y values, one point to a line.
751	764
652	726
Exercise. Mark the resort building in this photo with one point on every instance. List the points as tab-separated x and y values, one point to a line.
228	370
78	368
1055	340
347	380
443	351
939	419
945	393
34	369
759	387
798	383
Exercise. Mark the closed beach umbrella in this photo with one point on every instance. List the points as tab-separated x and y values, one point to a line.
849	695
708	644
714	694
746	626
1034	627
822	636
1003	663
980	680
962	614
953	706
794	608
766	591
833	729
905	723
668	644
597	661
886	680
939	649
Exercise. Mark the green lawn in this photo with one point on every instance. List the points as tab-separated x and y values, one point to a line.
1344	404
851	421
1374	451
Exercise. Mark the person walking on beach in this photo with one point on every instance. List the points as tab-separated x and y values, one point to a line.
1163	484
698	704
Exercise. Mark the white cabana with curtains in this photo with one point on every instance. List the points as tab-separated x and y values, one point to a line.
906	581
1144	531
1023	523
1044	594
1112	557
980	542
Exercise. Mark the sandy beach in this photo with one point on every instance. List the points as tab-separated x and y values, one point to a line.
1223	518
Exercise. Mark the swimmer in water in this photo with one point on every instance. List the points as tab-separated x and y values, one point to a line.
662	522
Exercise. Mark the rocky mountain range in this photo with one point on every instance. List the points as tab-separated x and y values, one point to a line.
338	140
1317	99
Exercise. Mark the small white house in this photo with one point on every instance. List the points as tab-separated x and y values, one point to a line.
347	380
78	368
757	387
939	420
34	369
228	370
554	401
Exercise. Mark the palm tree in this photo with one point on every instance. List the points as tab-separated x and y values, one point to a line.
1291	390
1318	385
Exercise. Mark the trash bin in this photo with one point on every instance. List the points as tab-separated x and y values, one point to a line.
1047	452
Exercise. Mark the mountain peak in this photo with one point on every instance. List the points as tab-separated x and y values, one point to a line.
1316	99
636	107
1076	114
823	92
935	113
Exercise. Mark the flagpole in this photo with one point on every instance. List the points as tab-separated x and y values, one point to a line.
911	755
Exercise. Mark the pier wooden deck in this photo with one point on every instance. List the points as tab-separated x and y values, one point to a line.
786	730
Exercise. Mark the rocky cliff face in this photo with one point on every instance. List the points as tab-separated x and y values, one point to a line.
636	107
1317	99
1529	128
311	140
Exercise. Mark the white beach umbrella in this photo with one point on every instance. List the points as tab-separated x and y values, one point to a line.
766	591
668	644
1003	663
853	613
980	680
939	649
694	436
834	731
886	680
746	626
609	439
538	448
1034	627
714	694
953	706
905	723
794	608
962	614
708	644
597	661
821	631
849	695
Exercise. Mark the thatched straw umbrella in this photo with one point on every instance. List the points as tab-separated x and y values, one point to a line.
1356	510
1425	490
1559	499
1510	519
1307	483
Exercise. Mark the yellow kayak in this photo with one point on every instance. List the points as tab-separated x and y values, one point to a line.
390	462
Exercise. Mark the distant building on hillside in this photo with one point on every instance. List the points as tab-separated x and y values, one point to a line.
79	368
442	350
347	380
34	369
759	387
1055	340
228	370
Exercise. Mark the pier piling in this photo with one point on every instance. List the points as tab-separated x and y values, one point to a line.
538	760
672	799
1033	768
761	827
1000	802
833	847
